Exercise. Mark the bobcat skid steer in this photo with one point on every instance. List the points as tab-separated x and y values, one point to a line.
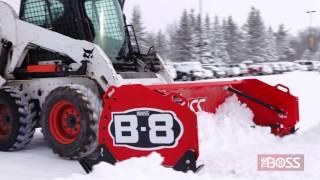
74	69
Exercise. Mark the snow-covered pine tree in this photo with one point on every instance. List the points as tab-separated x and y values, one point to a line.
285	51
271	48
219	51
207	36
137	23
196	34
192	18
172	31
182	39
150	39
233	40
161	44
244	37
256	34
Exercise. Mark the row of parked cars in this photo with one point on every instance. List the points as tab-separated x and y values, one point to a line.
192	71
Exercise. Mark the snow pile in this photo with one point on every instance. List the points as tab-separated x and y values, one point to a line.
226	136
232	125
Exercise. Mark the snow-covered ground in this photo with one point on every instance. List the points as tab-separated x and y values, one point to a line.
229	147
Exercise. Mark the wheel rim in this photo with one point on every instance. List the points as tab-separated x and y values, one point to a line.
5	122
64	122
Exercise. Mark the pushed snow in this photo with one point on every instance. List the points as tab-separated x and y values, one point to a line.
229	146
232	125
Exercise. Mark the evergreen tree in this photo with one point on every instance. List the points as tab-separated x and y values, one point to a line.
256	34
150	39
192	18
136	21
207	35
285	51
219	51
197	41
183	39
271	48
161	44
233	40
173	41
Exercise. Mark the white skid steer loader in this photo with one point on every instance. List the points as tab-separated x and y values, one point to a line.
70	67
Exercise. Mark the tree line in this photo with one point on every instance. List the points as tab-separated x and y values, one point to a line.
220	40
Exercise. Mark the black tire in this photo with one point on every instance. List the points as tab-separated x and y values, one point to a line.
19	115
86	122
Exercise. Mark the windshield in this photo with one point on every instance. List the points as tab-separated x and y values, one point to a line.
107	20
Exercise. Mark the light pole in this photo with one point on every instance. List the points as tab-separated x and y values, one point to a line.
311	38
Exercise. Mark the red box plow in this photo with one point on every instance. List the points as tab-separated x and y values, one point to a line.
138	120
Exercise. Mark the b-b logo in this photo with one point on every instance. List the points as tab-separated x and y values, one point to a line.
146	129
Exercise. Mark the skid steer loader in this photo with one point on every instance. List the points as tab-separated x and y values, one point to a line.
75	69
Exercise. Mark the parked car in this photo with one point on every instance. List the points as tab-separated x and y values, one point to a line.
187	71
244	69
233	70
218	72
277	68
254	69
266	68
307	65
291	66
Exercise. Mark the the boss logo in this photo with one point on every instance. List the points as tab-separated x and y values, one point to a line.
145	129
281	162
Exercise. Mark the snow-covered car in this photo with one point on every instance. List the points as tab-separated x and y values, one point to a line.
291	66
307	65
192	71
233	70
244	69
266	68
278	67
254	69
218	72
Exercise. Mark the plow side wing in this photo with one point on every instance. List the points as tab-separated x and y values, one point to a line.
273	106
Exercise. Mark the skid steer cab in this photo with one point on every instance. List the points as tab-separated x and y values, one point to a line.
75	69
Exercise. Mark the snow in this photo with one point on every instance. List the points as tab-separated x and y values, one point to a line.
228	146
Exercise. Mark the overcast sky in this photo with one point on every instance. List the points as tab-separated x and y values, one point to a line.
158	13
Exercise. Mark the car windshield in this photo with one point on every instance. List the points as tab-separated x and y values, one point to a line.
107	20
